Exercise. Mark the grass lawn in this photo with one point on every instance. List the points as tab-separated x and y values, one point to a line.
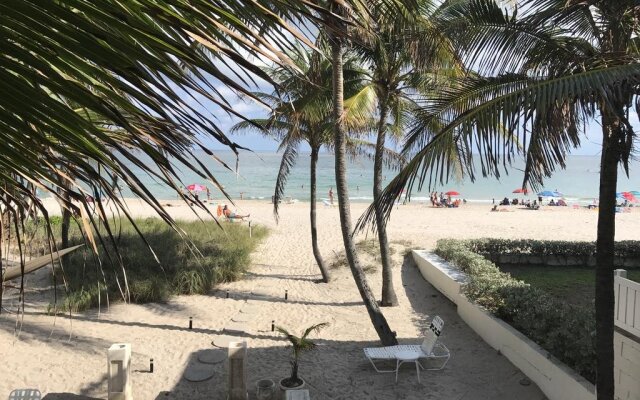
574	285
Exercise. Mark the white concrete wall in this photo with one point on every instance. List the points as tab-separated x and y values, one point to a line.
447	279
555	379
627	367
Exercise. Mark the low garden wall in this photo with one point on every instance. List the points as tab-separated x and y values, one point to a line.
554	378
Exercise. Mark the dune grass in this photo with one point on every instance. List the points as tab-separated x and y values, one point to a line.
208	256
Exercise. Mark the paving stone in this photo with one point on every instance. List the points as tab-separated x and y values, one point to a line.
211	356
198	372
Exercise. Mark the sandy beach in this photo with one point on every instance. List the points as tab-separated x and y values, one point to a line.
68	355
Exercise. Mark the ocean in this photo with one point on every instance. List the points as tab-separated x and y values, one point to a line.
257	173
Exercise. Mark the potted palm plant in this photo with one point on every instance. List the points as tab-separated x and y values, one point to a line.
299	345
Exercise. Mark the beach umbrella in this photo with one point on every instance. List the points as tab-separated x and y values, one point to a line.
196	187
549	193
629	196
635	193
521	190
452	193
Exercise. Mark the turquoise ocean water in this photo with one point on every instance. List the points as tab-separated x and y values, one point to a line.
257	175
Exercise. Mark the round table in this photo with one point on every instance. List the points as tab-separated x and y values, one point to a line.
407	356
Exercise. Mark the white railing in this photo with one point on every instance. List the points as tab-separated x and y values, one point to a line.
627	311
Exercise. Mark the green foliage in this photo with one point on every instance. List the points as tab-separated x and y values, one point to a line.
492	248
299	344
192	265
566	331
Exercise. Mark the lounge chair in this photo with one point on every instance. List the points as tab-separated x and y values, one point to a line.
25	394
429	349
380	354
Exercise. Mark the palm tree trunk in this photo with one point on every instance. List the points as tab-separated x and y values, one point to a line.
389	297
314	229
387	337
604	292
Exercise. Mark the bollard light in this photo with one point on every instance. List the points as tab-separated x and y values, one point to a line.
190	322
227	293
151	365
273	326
286	294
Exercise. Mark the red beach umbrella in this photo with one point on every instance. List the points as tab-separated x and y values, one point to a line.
629	196
196	187
521	190
452	193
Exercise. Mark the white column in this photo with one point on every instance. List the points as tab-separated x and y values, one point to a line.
119	371
237	371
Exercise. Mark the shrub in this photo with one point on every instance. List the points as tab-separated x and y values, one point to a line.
188	265
566	331
492	248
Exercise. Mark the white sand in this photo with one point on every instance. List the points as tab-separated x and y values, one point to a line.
69	356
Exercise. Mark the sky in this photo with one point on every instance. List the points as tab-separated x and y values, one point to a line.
591	142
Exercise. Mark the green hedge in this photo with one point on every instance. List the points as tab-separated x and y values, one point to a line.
209	256
566	331
495	247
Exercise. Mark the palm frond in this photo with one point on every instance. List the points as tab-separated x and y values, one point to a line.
478	119
287	162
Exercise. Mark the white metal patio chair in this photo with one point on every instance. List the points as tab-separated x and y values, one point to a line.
25	394
380	354
429	349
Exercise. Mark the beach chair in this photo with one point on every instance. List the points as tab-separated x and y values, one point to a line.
25	394
429	349
379	354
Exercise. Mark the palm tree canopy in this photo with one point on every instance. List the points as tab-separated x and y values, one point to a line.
547	71
302	343
91	87
301	108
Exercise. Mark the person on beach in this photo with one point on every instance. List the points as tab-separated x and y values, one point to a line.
208	194
229	214
331	195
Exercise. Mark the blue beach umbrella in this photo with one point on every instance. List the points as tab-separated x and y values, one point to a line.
549	193
635	193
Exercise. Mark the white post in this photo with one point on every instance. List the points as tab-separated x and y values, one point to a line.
119	372
237	378
622	273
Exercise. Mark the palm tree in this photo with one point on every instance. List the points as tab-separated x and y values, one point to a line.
402	51
89	88
298	346
301	112
336	39
559	64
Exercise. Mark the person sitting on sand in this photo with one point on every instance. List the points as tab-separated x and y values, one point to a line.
229	214
552	203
